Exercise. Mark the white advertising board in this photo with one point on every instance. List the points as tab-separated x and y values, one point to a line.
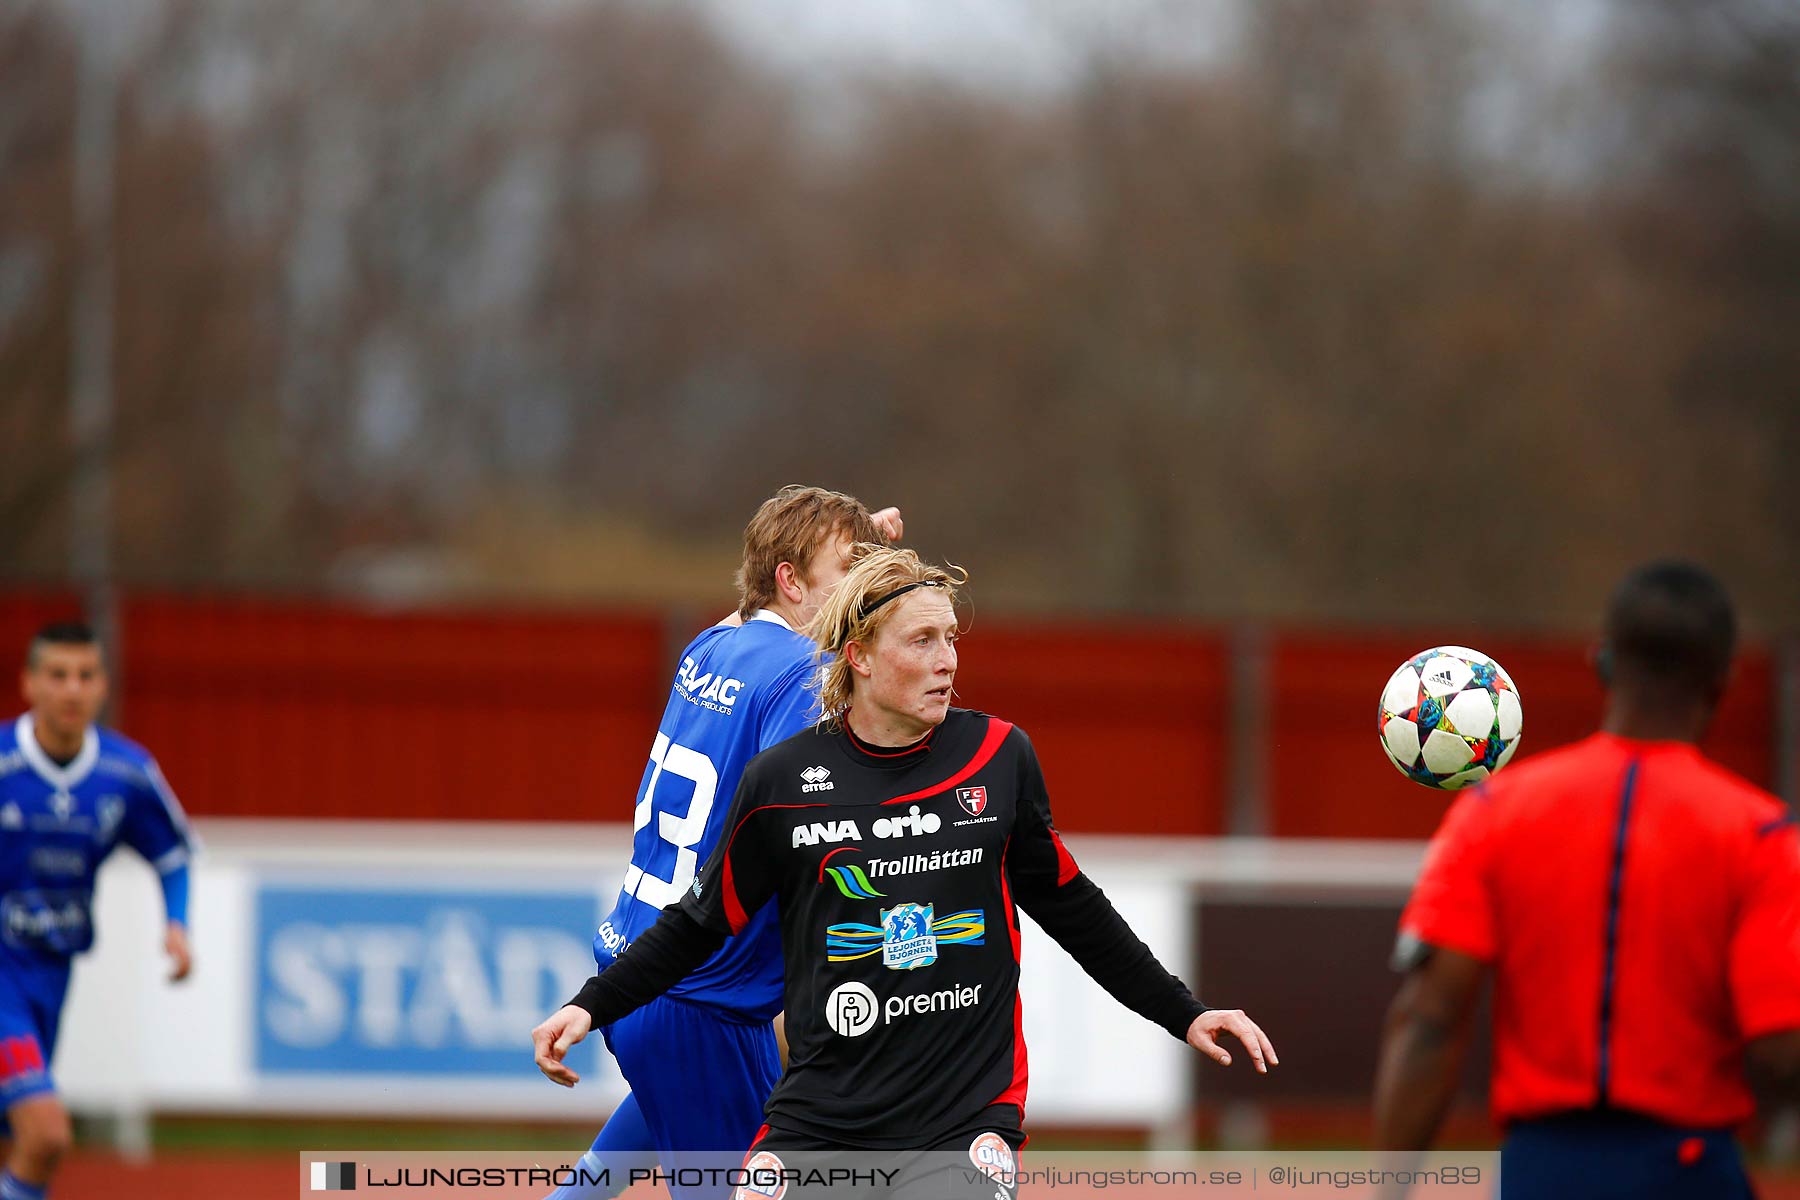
370	968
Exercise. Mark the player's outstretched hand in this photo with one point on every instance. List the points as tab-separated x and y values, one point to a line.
566	1026
1202	1035
889	522
181	954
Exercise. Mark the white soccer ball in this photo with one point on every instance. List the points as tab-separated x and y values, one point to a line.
1450	717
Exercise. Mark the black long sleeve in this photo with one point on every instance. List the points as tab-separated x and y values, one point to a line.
1084	922
1050	885
661	957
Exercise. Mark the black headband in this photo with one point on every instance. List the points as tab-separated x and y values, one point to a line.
866	609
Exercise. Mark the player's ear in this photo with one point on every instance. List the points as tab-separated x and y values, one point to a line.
1603	664
787	582
858	658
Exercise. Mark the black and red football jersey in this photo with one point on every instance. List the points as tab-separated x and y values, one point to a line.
898	876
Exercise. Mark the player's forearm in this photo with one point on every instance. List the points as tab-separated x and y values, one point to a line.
661	957
1415	1079
1084	922
175	894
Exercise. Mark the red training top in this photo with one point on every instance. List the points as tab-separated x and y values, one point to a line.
1640	906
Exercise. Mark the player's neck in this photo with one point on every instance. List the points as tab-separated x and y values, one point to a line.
884	730
61	748
787	612
1628	717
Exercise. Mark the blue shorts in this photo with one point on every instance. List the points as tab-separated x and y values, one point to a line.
700	1076
31	1000
1607	1154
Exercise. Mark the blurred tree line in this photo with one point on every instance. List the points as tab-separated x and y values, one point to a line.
1374	318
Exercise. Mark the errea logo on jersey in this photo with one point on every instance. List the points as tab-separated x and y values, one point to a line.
708	691
816	779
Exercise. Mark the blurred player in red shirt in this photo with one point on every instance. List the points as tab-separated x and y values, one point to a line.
1639	909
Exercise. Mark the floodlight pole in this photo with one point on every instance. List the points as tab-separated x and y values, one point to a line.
101	46
91	325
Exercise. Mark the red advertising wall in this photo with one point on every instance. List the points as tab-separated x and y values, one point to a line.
261	707
1129	723
280	709
21	615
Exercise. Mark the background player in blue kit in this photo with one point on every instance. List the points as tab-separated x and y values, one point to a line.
702	1060
69	793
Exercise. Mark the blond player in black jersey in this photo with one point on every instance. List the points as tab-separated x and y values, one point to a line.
899	837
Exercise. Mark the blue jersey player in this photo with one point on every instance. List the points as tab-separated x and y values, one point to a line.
702	1060
69	793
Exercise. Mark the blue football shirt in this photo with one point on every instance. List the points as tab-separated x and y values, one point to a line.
740	690
58	823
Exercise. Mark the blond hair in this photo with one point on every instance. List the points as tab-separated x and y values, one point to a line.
859	606
789	527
